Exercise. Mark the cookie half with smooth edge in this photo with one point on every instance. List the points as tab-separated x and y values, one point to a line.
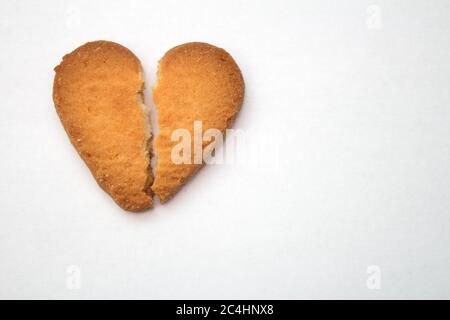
196	82
97	93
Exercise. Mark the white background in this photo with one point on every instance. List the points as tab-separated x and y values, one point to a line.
349	105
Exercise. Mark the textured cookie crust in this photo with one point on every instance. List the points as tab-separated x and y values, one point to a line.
196	81
97	93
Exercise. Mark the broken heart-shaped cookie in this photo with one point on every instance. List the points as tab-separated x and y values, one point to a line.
97	93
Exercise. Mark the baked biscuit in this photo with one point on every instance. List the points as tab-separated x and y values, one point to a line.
97	93
196	82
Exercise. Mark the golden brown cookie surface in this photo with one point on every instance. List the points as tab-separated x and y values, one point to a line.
97	93
196	82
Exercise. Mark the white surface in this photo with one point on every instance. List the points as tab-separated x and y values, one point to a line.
353	149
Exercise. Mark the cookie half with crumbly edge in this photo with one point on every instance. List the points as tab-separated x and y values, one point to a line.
98	96
196	82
